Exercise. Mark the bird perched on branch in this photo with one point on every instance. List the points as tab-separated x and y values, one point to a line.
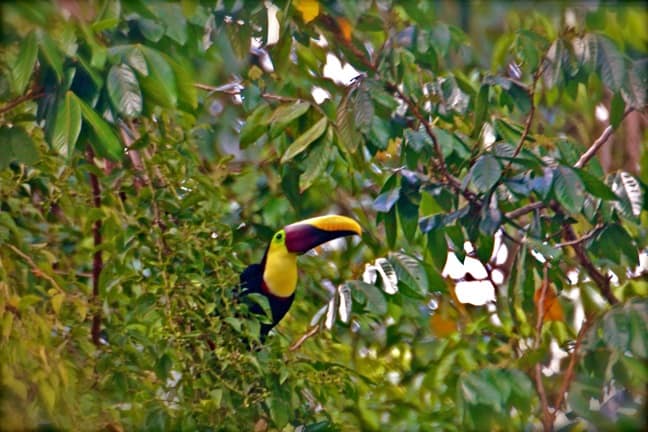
275	277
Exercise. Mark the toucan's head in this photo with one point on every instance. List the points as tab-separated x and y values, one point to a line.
280	261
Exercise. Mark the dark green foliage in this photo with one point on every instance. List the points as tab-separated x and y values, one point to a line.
148	152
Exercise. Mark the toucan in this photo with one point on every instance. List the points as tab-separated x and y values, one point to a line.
275	277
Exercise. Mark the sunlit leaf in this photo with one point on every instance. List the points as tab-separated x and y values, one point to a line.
106	143
486	173
67	125
24	66
305	140
568	189
124	91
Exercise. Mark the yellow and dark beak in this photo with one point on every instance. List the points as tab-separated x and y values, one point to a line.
304	235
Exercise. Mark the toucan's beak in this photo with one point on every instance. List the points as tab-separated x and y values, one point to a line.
305	235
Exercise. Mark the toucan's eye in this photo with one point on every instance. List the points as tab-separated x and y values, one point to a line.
279	236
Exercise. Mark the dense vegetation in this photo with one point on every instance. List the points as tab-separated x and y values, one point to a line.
148	151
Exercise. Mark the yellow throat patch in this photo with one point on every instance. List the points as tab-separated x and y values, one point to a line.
280	273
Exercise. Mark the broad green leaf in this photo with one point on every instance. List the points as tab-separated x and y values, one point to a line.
174	21
437	246
52	55
485	173
67	125
375	301
255	125
24	66
304	140
124	91
595	186
105	141
163	366
386	200
410	272
408	215
16	145
568	189
315	165
187	92
347	131
283	115
159	85
610	63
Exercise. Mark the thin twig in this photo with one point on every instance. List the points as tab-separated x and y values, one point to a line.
303	338
569	373
529	120
34	268
596	145
24	98
584	238
514	214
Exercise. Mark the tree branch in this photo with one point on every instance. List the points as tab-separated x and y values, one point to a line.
303	338
569	373
24	98
34	268
598	143
97	259
601	280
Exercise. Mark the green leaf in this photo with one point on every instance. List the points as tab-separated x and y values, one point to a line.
24	66
283	115
105	142
408	215
410	272
610	63
67	125
16	145
386	200
315	164
485	173
481	109
52	55
347	131
124	91
568	189
159	85
163	366
375	301
617	108
595	186
304	140
255	125
187	92
174	20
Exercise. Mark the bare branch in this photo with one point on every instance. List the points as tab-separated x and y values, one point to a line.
34	268
569	373
24	98
584	238
598	143
303	338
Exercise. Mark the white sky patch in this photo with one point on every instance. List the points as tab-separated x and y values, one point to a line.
477	293
339	74
320	95
601	112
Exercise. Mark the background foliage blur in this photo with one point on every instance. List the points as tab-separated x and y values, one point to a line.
148	151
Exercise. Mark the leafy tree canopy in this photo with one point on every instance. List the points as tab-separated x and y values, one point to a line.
148	151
